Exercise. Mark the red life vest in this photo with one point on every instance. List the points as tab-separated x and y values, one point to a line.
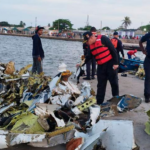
114	42
100	52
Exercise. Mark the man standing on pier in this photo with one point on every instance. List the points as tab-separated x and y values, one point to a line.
117	44
107	59
37	51
91	62
146	38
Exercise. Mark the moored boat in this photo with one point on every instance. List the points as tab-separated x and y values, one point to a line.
129	64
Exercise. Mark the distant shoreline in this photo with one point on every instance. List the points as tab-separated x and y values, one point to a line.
45	37
127	43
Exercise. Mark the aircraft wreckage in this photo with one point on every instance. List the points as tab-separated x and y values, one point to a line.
43	112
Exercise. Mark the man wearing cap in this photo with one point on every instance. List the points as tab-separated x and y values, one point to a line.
146	38
107	59
90	62
37	51
117	44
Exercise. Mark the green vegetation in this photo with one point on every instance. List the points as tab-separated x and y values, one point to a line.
6	24
126	22
147	27
106	28
88	28
22	24
61	24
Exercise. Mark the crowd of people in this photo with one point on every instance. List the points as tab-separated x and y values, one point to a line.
130	37
105	53
67	35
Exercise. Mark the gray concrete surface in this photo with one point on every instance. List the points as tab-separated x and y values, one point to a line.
135	86
128	85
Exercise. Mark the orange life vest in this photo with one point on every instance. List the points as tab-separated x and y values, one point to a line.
114	42
100	52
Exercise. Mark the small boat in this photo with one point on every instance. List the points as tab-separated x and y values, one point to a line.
129	64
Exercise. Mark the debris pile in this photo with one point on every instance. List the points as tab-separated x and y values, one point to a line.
36	104
140	73
119	104
44	111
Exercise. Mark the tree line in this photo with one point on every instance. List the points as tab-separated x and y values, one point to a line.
65	24
6	24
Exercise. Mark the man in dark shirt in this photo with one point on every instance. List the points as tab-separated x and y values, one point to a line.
107	59
117	44
90	62
37	52
146	38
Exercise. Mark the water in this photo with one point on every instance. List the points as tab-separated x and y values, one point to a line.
19	50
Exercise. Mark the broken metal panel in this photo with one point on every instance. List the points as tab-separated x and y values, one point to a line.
60	122
44	143
61	138
89	138
55	140
3	141
3	132
45	109
7	107
54	82
25	76
86	89
27	123
79	100
118	136
40	98
94	113
72	87
76	111
16	139
91	101
128	102
60	99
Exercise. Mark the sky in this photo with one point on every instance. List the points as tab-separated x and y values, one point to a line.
109	12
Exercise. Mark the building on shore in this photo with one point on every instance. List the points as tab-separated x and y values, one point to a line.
131	33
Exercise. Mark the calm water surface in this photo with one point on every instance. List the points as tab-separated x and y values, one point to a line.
19	50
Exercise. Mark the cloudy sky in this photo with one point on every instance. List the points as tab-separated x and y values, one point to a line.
110	12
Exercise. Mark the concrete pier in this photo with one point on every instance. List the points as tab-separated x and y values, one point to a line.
135	86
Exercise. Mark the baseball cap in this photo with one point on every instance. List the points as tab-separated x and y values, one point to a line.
115	33
86	36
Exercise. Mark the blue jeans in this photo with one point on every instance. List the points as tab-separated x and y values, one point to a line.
129	56
37	66
147	77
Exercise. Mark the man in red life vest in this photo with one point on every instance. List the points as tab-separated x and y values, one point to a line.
117	44
130	53
107	59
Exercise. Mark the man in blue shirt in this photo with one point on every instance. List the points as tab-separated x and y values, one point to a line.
146	38
37	52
